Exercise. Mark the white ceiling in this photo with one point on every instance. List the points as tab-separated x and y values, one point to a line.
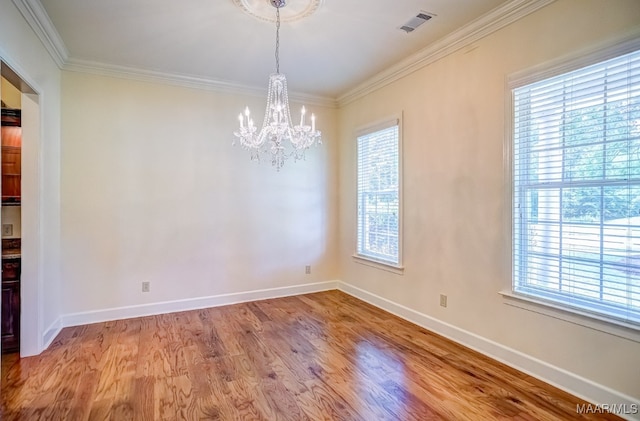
341	45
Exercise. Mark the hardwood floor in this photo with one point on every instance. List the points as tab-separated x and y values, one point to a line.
324	356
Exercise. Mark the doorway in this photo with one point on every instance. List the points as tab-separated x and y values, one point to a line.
19	215
11	216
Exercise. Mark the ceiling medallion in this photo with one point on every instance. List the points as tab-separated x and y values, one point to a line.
295	10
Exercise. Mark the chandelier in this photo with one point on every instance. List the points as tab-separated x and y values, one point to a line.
278	139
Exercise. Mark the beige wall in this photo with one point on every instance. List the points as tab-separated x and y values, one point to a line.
154	190
10	94
455	238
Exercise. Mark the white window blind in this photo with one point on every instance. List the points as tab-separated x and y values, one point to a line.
379	195
576	168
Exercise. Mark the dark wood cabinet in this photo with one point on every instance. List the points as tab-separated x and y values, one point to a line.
11	170
11	155
10	316
11	272
10	302
10	269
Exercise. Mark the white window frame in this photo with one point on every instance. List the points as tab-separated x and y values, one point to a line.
538	304
359	256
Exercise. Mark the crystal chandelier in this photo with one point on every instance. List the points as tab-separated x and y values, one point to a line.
278	138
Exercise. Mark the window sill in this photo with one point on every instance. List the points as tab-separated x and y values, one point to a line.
389	267
611	326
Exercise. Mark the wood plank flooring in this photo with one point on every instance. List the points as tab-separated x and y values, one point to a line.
324	356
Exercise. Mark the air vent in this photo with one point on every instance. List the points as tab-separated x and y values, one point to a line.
416	21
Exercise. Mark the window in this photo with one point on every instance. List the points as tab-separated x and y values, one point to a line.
576	196
379	194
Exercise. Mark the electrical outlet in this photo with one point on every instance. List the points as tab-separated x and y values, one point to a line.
443	300
307	270
146	286
7	230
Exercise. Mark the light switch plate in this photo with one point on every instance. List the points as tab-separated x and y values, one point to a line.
7	230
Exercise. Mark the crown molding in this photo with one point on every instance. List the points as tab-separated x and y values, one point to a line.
496	19
485	25
39	21
194	82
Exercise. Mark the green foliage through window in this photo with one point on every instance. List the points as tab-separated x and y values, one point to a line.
577	188
378	195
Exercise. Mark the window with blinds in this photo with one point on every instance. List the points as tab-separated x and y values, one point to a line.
576	169
378	194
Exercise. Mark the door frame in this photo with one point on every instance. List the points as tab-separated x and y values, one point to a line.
32	330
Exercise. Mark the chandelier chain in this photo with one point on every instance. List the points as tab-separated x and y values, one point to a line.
278	39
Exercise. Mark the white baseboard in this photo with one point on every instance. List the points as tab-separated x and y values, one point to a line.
51	333
105	315
562	379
